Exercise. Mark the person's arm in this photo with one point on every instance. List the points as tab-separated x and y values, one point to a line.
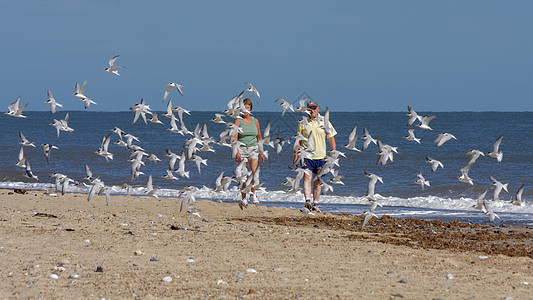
236	138
332	143
259	137
296	154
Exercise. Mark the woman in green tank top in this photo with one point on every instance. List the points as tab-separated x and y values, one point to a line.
249	149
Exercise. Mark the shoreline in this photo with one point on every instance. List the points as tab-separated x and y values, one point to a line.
219	251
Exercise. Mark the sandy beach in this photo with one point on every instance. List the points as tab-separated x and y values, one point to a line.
64	247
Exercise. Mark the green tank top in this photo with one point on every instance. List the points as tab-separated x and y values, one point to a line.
249	133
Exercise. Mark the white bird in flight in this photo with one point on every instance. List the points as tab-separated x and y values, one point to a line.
252	89
443	138
285	105
150	190
413	116
422	181
15	110
475	155
24	141
424	120
352	139
53	103
367	139
103	150
434	163
372	184
496	150
28	173
411	136
170	86
518	200
80	93
498	188
47	149
112	68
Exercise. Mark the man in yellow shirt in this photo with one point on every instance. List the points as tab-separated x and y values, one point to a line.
316	159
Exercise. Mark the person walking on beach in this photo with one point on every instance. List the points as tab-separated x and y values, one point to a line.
312	165
250	135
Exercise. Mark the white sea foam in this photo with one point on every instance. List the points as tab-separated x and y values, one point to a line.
429	207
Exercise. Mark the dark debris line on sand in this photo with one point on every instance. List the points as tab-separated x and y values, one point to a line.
453	236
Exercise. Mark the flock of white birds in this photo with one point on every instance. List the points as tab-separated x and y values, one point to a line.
201	141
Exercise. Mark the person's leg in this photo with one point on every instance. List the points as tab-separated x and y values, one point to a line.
317	188
308	175
253	167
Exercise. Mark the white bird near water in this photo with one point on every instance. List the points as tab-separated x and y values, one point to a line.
62	125
150	190
80	93
498	188
413	116
24	141
103	150
496	150
21	158
411	136
480	199
367	139
475	155
434	163
422	181
47	149
518	199
443	138
141	109
53	103
15	110
28	173
372	184
487	210
424	120
464	175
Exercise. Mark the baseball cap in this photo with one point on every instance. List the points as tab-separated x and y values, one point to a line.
312	103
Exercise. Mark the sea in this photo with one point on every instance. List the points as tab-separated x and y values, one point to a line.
445	199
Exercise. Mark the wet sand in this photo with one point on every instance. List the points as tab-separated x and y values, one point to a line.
217	250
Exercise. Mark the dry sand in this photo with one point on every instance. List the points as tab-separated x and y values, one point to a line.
214	253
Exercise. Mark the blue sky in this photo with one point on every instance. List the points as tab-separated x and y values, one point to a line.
348	55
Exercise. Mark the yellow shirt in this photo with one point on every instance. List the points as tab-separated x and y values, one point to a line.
319	135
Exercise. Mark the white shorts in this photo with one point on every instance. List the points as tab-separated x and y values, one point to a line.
251	152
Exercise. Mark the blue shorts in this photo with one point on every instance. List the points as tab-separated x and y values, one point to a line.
313	164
